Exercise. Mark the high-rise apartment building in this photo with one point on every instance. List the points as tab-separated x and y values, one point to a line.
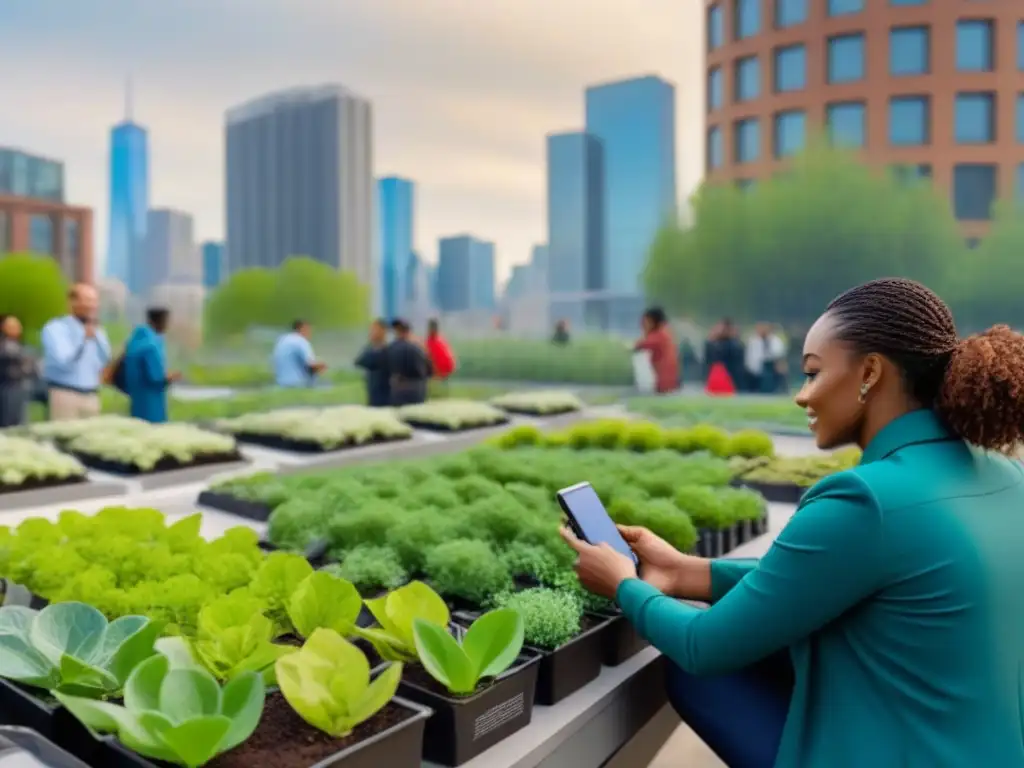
575	247
299	180
129	201
171	255
635	122
30	176
465	274
213	263
395	210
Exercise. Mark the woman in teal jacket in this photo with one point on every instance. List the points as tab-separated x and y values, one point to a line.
146	377
894	591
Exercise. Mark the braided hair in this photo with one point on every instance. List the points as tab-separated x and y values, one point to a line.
976	384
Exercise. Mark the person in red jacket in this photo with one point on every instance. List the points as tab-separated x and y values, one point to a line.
440	354
658	341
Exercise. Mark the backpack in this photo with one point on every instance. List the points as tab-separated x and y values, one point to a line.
114	375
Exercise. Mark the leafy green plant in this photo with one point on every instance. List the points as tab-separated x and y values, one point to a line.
323	600
70	647
551	618
274	583
328	684
489	647
178	714
368	524
396	612
418	534
519	436
467	569
567	580
642	437
750	443
371	568
703	505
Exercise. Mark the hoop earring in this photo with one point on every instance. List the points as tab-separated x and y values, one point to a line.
863	396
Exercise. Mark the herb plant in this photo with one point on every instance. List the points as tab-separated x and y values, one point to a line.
328	684
467	569
551	618
372	568
70	647
178	714
489	647
396	612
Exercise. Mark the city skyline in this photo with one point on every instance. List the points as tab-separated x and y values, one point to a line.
468	127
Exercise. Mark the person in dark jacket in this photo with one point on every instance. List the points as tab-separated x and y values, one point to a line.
15	373
146	377
408	365
374	360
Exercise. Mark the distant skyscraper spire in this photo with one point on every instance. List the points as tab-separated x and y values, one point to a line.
128	100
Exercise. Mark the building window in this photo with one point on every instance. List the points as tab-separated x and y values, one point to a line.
974	191
974	46
974	119
790	133
789	13
790	68
909	121
909	51
846	58
715	154
716	89
40	235
747	17
844	7
911	174
748	79
716	28
908	2
747	135
846	124
1020	46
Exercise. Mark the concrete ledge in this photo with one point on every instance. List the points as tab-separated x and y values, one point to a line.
591	726
62	494
159	480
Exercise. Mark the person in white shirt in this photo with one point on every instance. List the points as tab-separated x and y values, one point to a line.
765	360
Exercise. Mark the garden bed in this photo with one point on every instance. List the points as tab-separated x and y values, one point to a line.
785	480
538	403
28	465
277	443
39	483
451	415
778	493
427	426
225	502
165	464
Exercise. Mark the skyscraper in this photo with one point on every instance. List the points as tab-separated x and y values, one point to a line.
465	274
129	200
299	180
635	123
395	200
213	263
171	255
575	247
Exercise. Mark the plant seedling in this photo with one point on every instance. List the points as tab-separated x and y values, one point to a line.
396	612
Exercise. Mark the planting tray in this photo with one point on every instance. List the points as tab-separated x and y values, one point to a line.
165	464
398	745
35	484
537	414
316	553
225	502
279	443
462	728
65	492
451	430
775	492
27	742
619	639
21	706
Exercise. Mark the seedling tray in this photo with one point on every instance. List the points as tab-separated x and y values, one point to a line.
38	484
24	707
776	492
535	413
445	429
620	639
278	443
462	728
710	542
316	553
165	464
225	502
397	744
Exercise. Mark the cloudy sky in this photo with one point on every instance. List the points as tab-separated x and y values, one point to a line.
463	91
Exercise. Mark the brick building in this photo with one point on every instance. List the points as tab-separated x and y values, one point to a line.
46	227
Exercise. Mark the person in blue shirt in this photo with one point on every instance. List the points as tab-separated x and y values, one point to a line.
145	373
75	353
294	363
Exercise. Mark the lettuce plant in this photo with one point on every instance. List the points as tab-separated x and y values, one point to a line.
178	714
274	583
396	612
489	647
328	684
324	601
70	647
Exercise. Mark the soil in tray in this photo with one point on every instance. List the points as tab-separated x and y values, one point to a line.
38	483
285	740
416	675
166	464
308	446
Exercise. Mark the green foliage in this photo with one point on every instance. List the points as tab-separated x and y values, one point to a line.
726	412
176	714
988	288
362	525
467	569
70	647
371	568
583	361
804	471
32	289
328	684
324	601
396	612
799	239
274	583
551	618
750	444
490	646
519	436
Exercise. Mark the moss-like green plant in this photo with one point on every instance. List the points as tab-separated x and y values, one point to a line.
367	524
742	504
519	436
418	534
467	569
566	580
703	505
371	568
551	618
750	443
710	439
438	492
476	488
642	437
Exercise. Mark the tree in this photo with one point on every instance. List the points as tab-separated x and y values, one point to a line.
991	280
301	288
33	289
783	249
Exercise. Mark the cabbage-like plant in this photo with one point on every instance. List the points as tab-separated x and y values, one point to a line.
178	714
324	601
396	612
328	683
72	648
489	647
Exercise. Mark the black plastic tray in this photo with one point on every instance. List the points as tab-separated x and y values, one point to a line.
165	464
775	492
449	430
620	640
536	414
279	443
225	502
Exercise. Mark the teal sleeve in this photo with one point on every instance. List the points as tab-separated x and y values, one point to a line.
726	574
827	559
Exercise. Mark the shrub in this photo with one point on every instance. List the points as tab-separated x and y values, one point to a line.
703	505
668	521
436	492
551	618
519	436
455	467
367	525
742	504
467	569
750	443
711	439
417	534
474	488
642	437
534	561
298	522
371	568
497	519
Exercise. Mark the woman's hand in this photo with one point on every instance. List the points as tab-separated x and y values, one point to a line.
600	568
666	568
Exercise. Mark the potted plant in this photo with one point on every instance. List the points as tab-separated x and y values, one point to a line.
467	573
